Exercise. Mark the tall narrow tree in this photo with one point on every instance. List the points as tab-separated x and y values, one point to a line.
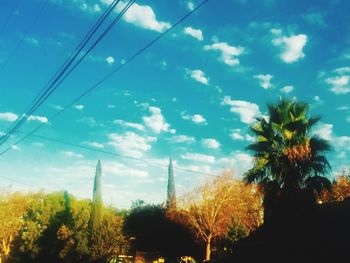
97	204
171	196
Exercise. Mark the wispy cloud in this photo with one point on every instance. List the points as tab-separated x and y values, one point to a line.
211	143
133	125
228	54
287	89
131	143
183	139
197	157
338	80
198	75
8	116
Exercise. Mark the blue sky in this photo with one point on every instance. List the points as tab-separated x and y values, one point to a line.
192	95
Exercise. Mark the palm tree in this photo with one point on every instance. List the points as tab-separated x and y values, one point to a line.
288	159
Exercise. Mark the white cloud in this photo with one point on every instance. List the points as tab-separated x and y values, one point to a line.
190	5
195	33
291	46
198	75
196	118
142	16
8	116
32	41
229	54
197	157
211	143
133	125
183	139
324	130
264	80
38	118
70	154
131	144
339	84
287	89
90	121
110	60
247	111
156	121
79	107
118	169
237	134
318	99
95	144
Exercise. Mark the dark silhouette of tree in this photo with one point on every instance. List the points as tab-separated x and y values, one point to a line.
151	229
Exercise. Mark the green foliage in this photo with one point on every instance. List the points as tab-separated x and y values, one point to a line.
286	154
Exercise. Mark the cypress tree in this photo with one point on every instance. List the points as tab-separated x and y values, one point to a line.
171	197
97	204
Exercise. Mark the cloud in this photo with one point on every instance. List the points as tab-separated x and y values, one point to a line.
318	99
94	144
237	134
183	139
38	118
264	80
198	75
110	60
197	157
133	125
196	118
118	169
92	9
79	107
8	116
247	111
70	154
291	46
211	143
141	16
131	144
190	5
287	89
324	130
156	121
90	121
229	54
339	84
32	41
195	33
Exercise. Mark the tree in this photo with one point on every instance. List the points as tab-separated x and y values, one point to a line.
289	160
340	188
12	208
97	203
210	208
151	229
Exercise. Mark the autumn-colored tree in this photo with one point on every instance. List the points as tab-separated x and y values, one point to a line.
12	208
340	189
210	208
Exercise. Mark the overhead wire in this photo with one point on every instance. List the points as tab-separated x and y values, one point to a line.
26	33
155	163
98	83
9	17
59	79
58	73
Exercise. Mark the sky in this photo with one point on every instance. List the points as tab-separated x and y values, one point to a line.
192	95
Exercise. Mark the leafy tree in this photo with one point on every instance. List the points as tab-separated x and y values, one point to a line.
340	188
289	160
12	209
210	208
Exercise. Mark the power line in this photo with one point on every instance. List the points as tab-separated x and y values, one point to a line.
9	17
60	71
114	154
29	29
16	181
57	81
98	83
